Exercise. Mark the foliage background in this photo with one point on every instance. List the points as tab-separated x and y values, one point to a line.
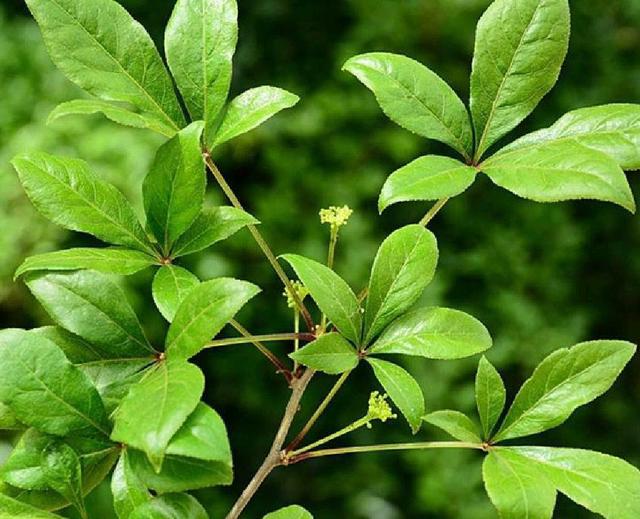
540	277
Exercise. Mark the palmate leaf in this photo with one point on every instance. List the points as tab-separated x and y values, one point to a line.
200	41
564	381
175	388
127	489
250	109
612	129
44	390
98	46
558	171
289	512
331	293
173	190
431	177
330	353
203	313
434	333
403	390
171	506
490	396
66	192
414	97
112	260
403	267
519	50
171	284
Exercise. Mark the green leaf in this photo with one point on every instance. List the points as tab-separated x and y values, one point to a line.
171	506
455	424
415	98
250	109
520	47
8	420
559	171
612	129
289	512
212	226
111	260
173	191
204	312
605	485
66	192
14	509
427	178
174	387
63	472
92	306
564	381
403	267
99	47
117	114
200	41
44	390
330	353
171	285
127	489
434	333
491	396
331	293
516	487
181	473
23	467
403	390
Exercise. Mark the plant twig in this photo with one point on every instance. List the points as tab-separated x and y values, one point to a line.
433	211
274	457
262	338
226	188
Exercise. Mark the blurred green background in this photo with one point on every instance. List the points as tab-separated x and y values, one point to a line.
540	277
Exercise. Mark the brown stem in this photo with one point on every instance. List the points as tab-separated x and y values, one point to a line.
274	457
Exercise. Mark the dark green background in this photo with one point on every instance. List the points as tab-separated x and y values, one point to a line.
540	277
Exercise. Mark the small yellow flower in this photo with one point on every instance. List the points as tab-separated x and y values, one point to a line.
379	408
335	216
300	289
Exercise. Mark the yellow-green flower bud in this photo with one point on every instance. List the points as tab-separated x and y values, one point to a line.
335	216
300	289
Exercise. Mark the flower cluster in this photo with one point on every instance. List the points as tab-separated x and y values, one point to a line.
335	216
300	290
379	408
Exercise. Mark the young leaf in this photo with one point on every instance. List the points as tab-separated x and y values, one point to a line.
175	387
565	380
605	485
128	491
330	353
415	98
171	506
110	260
23	467
200	41
63	472
558	171
171	284
181	473
289	512
44	390
66	192
203	313
434	333
612	129
331	293
202	436
99	47
212	226
250	109
403	390
92	306
403	267
519	50
117	114
455	424
14	509
173	191
491	396
427	178
516	487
